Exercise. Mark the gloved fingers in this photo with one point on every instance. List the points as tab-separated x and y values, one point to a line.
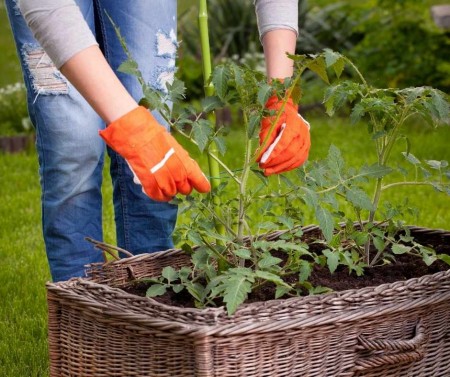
165	181
156	194
290	124
293	135
147	181
192	176
287	156
178	173
294	162
164	167
151	172
162	186
196	177
297	146
184	187
151	188
282	149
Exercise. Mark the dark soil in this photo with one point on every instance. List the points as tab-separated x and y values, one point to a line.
405	267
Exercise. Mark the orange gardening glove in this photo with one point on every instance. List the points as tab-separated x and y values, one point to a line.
287	147
159	163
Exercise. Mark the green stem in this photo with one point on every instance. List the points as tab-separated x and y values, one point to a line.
225	167
204	41
383	158
406	183
361	77
376	199
214	169
220	258
392	137
386	153
243	188
377	257
219	219
375	203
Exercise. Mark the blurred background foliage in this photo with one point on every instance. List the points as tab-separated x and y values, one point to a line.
394	43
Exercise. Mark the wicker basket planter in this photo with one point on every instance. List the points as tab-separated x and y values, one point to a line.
97	329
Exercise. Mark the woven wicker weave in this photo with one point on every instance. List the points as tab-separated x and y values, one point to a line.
392	330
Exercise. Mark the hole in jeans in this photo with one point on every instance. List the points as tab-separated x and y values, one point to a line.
166	44
166	47
45	77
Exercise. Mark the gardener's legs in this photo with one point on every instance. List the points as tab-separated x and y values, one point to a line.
70	155
149	30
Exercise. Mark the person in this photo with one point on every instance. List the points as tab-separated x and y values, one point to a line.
70	55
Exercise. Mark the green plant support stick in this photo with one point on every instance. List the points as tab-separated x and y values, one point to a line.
204	40
214	169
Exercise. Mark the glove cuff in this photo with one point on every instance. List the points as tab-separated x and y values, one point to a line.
131	130
274	102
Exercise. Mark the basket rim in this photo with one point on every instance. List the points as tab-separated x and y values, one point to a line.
332	307
253	317
275	234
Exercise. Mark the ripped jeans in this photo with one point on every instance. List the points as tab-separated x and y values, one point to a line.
70	151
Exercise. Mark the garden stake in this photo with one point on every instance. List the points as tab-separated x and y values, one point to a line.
214	169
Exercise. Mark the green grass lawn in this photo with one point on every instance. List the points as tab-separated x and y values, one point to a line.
23	266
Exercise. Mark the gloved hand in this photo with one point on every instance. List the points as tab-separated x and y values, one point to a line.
287	147
159	163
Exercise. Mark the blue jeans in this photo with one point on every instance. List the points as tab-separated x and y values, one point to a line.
70	151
